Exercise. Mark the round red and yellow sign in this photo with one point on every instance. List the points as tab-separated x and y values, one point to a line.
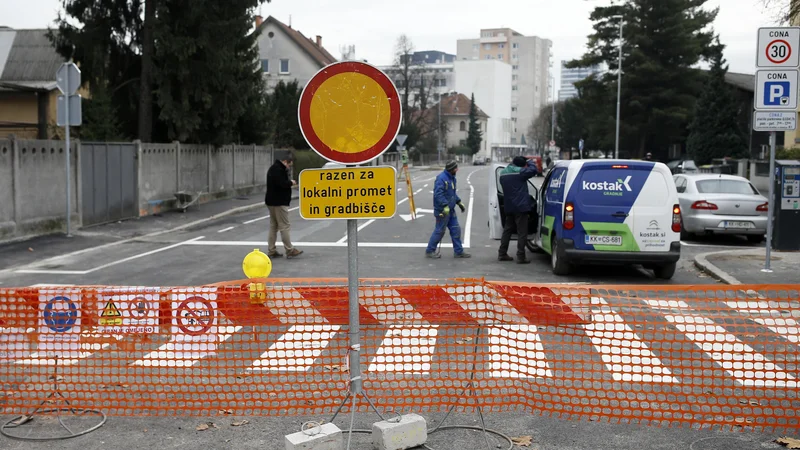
349	112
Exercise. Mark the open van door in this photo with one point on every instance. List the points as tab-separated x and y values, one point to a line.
496	210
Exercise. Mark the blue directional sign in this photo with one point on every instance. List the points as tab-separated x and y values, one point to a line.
60	314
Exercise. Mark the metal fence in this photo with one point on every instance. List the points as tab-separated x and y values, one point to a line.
666	356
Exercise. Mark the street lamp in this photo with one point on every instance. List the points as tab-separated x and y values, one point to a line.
619	83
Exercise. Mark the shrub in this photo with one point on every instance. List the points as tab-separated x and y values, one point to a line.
306	159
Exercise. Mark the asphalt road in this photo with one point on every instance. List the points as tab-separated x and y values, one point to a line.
394	248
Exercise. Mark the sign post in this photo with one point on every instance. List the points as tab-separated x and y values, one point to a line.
401	140
68	109
349	113
776	89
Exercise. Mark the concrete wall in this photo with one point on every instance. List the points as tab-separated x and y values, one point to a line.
200	170
32	187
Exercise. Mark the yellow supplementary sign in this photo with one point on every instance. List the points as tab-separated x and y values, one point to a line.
352	193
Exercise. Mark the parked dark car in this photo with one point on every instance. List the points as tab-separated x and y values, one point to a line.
682	166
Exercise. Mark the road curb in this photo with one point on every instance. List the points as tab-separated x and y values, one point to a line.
701	262
229	212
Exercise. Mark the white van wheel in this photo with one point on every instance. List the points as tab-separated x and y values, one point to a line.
560	267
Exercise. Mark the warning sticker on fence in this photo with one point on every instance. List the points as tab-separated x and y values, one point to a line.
59	323
127	312
110	315
195	316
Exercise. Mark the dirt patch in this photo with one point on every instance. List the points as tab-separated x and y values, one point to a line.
744	258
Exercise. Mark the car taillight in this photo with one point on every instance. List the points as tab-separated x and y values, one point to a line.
764	207
702	204
676	218
569	216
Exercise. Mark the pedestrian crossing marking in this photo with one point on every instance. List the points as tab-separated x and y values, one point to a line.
407	350
297	349
182	345
517	352
776	322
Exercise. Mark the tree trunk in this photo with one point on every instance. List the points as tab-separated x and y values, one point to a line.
146	80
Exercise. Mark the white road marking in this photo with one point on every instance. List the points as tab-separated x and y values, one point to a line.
426	185
225	229
316	244
407	350
625	354
517	352
786	327
361	227
41	285
256	220
297	349
737	358
166	355
111	264
742	247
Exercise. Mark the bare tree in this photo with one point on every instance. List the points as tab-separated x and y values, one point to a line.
786	11
404	49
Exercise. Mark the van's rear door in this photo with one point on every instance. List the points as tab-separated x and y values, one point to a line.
604	195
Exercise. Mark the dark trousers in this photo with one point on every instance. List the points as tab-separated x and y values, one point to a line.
518	222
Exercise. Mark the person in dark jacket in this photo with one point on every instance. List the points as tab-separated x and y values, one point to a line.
445	200
277	199
518	205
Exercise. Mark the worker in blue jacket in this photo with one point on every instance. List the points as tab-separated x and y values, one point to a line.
445	200
518	206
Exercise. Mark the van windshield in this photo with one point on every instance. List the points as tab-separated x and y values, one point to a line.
622	187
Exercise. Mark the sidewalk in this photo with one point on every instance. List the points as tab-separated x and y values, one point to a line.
22	253
744	266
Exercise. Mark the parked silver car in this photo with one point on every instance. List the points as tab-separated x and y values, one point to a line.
721	204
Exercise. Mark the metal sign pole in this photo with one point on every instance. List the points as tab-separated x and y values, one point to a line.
771	201
352	289
66	127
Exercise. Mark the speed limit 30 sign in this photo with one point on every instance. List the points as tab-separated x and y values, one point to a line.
778	47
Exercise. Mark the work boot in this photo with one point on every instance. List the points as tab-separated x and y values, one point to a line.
523	260
275	254
505	258
432	255
293	253
463	255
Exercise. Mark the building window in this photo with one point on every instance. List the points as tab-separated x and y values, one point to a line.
516	45
487	46
488	56
514	56
284	66
462	126
514	77
513	109
514	87
515	67
501	45
476	47
265	65
500	56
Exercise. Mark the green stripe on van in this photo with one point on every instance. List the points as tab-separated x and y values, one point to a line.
629	243
546	242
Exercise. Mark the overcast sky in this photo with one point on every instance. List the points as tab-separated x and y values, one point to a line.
373	25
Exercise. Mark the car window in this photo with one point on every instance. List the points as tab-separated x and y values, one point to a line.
532	191
680	184
725	187
673	164
554	192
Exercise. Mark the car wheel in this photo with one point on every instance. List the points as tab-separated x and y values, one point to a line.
560	267
755	238
666	271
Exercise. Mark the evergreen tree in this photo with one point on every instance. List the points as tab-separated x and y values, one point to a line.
283	103
474	134
662	42
206	62
100	119
715	131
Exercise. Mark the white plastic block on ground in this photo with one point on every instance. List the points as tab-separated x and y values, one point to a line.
409	432
326	437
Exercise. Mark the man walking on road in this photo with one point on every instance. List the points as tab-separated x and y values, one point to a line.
518	206
279	195
445	200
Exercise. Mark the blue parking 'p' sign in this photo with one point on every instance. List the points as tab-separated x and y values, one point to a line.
60	314
776	93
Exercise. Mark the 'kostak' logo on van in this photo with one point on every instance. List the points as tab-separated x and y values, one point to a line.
609	188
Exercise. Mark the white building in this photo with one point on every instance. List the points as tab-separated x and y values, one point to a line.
529	57
439	79
490	82
286	54
571	76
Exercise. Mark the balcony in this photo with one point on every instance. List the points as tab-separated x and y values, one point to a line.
494	39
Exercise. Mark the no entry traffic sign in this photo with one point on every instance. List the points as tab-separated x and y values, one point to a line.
349	112
195	316
778	47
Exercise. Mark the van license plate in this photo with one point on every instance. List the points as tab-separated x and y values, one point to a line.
603	240
738	225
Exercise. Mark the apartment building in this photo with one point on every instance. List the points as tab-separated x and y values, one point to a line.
529	57
439	79
571	76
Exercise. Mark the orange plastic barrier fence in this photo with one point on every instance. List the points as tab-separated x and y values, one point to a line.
666	356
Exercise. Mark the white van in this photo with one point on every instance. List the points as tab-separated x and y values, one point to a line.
605	212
